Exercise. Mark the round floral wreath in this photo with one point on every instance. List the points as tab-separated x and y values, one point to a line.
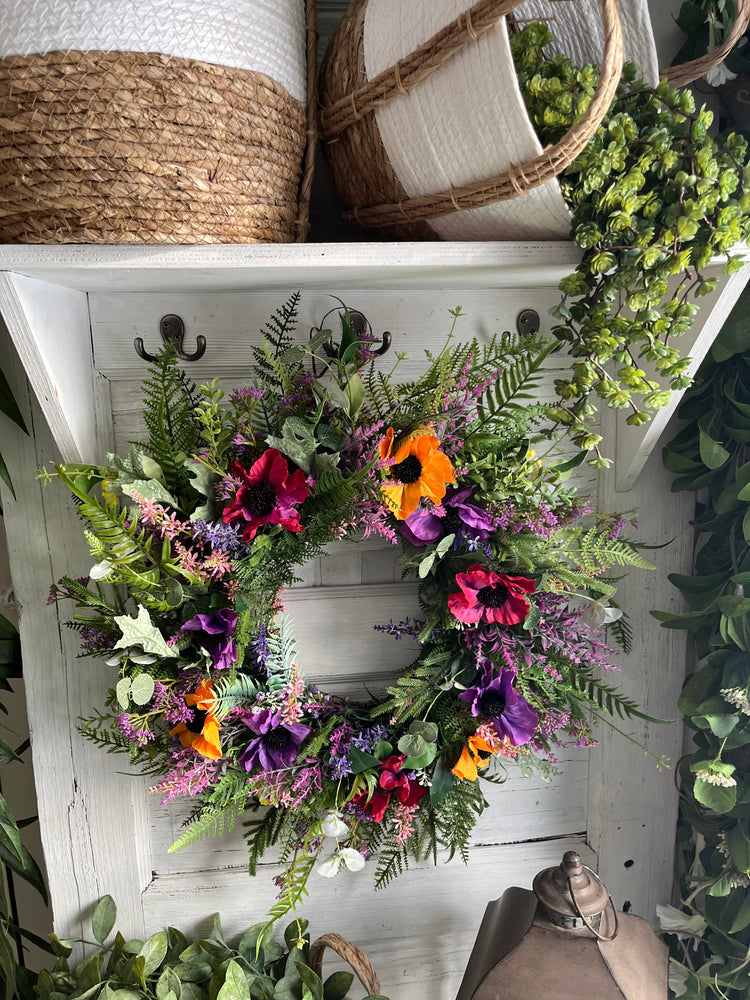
197	532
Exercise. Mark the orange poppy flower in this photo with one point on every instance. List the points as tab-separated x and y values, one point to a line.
419	470
202	732
475	754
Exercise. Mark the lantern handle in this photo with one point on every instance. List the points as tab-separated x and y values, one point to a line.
587	920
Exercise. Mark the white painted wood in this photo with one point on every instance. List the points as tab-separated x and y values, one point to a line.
49	325
633	445
633	806
311	265
418	932
87	805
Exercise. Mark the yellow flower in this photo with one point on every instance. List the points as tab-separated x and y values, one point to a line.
419	470
202	732
475	754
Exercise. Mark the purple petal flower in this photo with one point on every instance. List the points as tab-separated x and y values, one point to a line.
497	699
214	633
423	526
277	743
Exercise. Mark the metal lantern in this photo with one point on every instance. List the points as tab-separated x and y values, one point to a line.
564	941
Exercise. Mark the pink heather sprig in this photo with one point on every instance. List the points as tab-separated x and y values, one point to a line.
190	774
138	735
403	824
291	709
155	514
288	787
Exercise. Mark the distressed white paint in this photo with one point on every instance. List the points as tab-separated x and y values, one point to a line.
49	326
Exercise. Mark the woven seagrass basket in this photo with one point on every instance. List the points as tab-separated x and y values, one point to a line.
156	121
437	144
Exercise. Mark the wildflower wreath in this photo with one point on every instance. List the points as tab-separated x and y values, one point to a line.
197	532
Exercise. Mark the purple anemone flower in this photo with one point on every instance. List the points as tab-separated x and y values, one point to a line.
497	699
214	633
423	527
277	743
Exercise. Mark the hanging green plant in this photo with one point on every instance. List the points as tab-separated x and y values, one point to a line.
712	454
654	198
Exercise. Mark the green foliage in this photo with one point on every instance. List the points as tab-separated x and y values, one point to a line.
169	966
169	412
654	198
712	454
9	408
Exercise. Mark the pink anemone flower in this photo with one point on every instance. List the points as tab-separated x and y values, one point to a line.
266	495
490	597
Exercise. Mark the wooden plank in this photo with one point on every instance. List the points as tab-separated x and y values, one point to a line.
87	804
520	809
418	932
634	444
417	318
311	265
49	326
632	805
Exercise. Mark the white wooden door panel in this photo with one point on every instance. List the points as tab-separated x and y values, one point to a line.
104	832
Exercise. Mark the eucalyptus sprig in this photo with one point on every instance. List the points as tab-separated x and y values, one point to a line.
654	198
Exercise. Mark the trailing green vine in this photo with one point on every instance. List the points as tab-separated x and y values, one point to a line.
654	198
711	454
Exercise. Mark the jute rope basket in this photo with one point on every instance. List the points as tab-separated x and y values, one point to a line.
142	147
351	954
356	154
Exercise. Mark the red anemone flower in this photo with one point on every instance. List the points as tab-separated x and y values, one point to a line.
392	781
490	597
266	495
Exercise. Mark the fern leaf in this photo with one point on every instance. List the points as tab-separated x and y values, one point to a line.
212	823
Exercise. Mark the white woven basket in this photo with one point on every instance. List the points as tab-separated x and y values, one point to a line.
466	120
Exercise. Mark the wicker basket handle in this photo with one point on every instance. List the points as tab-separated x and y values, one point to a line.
518	178
356	958
680	76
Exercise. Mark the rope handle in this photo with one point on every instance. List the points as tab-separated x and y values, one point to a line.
679	76
355	957
518	178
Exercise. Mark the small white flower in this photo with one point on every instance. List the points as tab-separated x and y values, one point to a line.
716	778
678	975
101	570
738	698
675	921
719	75
330	867
333	825
353	860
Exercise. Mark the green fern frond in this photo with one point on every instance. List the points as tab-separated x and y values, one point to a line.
607	698
169	404
211	823
393	861
229	692
597	552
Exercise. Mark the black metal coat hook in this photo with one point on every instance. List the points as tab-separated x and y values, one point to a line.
172	330
361	326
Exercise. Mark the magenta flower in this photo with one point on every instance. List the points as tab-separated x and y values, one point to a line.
497	699
266	495
214	633
423	527
490	597
277	743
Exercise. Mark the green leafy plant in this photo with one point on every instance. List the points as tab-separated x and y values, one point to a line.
169	966
9	407
711	454
654	198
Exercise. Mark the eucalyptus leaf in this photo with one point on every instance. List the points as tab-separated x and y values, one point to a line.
122	692
142	689
103	918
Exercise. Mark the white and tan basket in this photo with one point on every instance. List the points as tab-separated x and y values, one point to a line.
425	130
154	121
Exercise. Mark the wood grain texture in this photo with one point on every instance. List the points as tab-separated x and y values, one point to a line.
418	932
86	803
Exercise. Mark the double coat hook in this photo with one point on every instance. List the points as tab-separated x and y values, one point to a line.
172	330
